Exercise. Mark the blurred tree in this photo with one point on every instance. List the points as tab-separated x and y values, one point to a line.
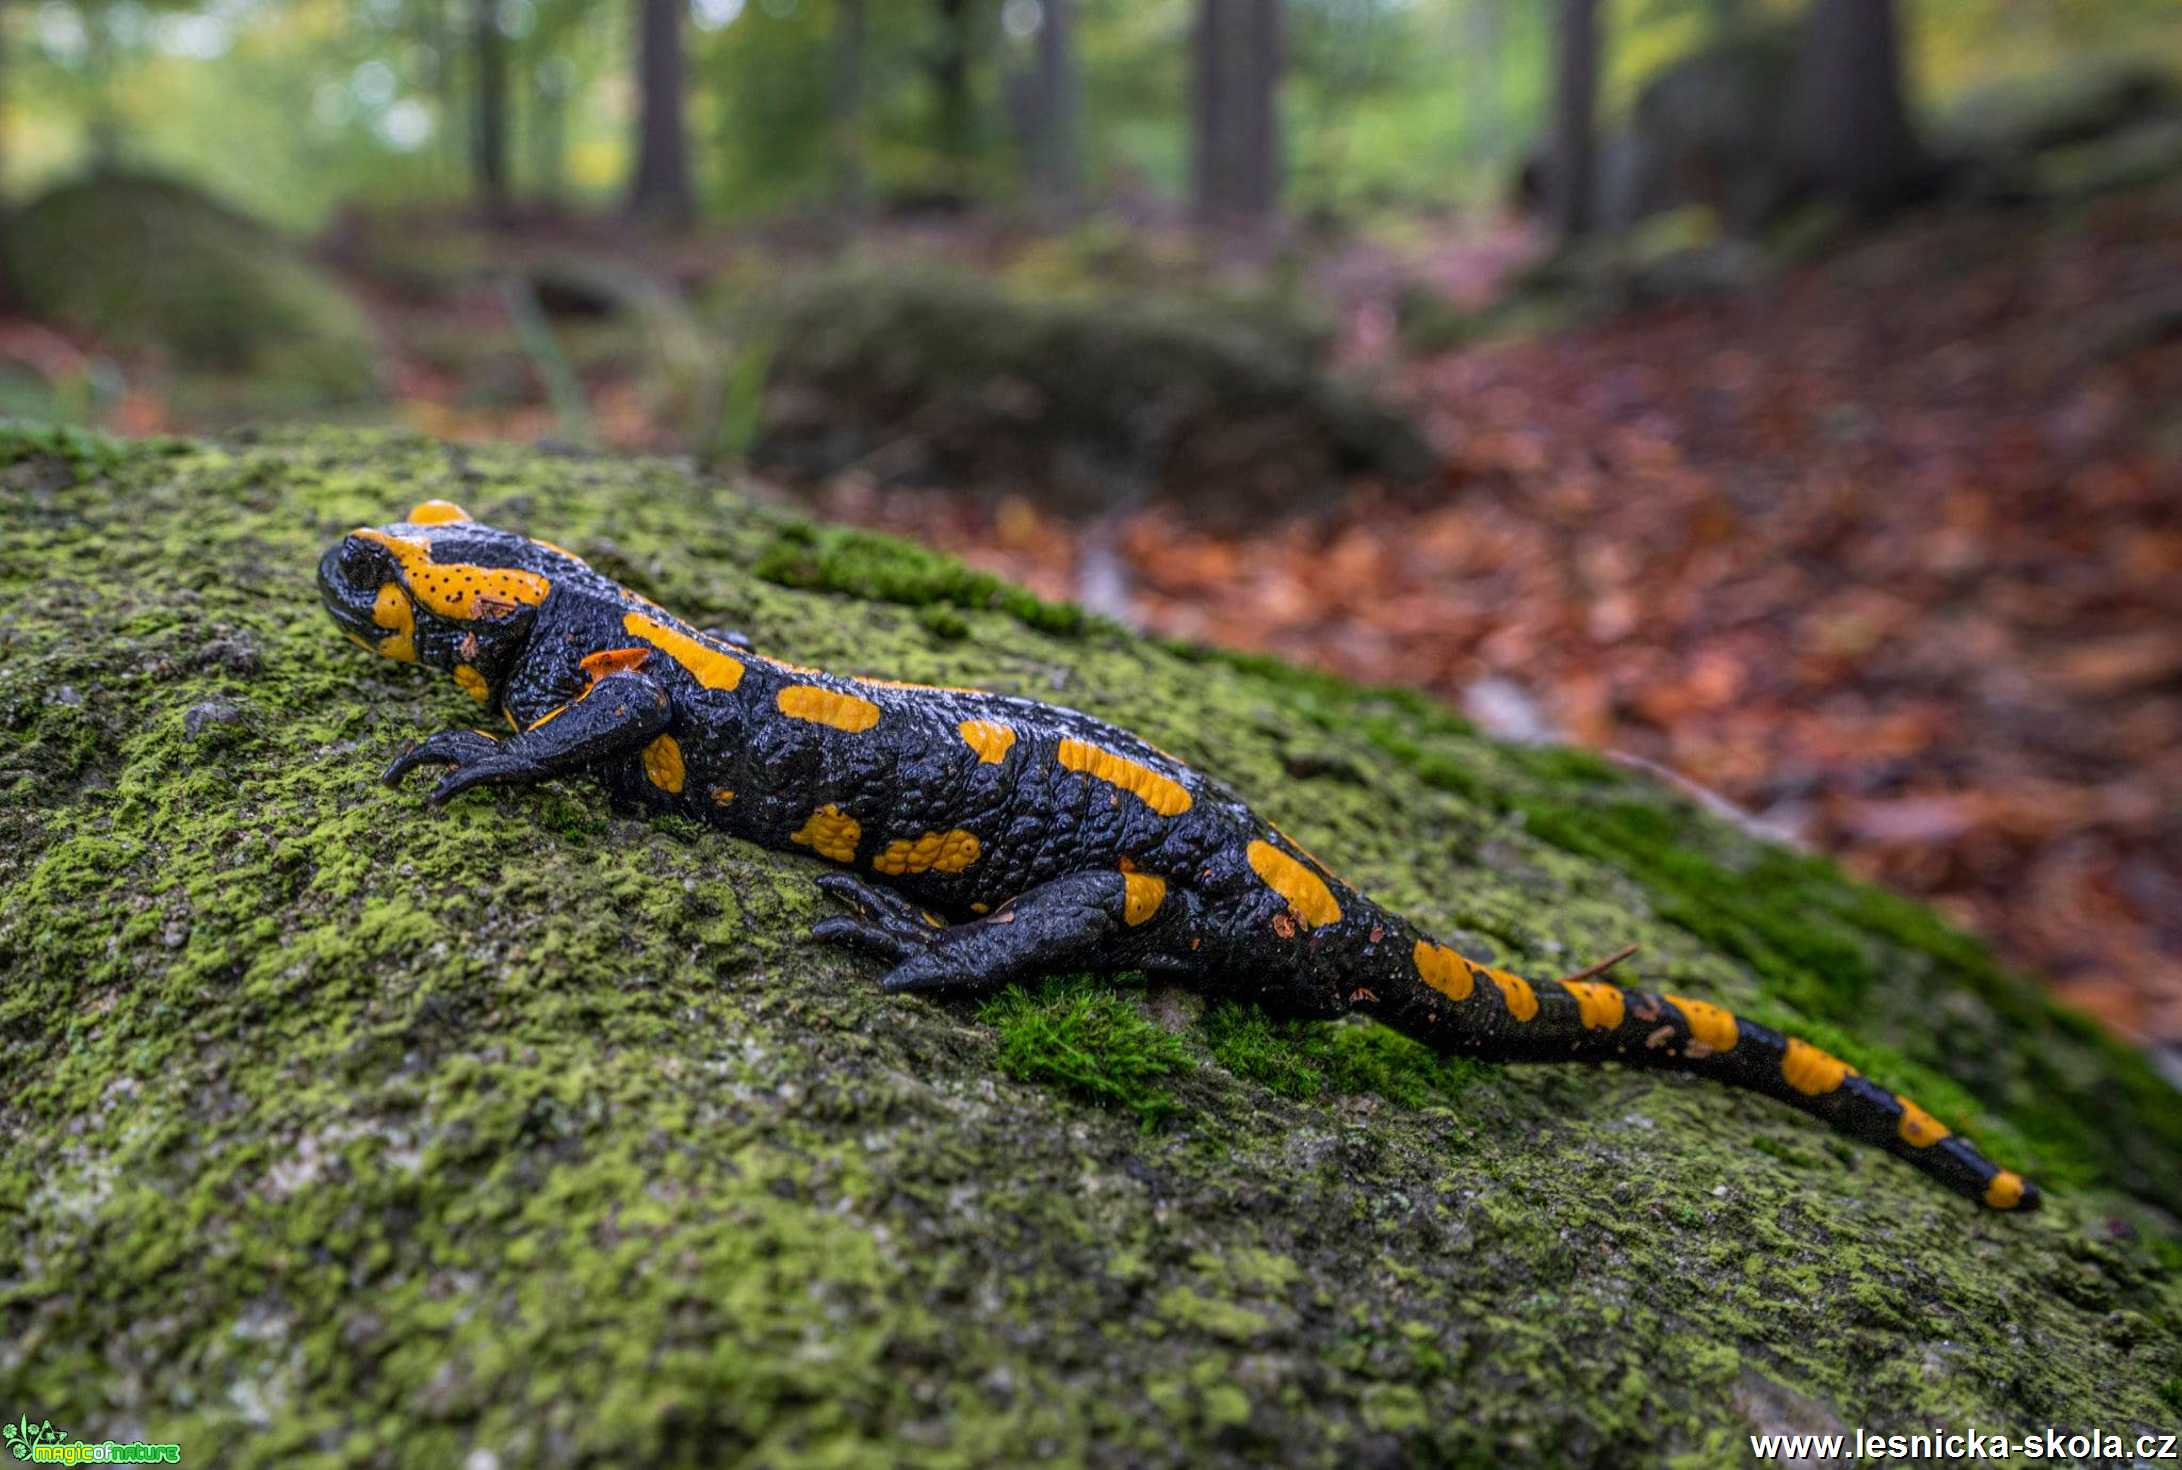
1849	129
954	110
489	117
7	277
1057	153
1236	163
1572	178
1483	29
662	188
551	80
846	120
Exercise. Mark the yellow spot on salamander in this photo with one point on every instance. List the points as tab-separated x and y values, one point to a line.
991	741
934	852
1515	990
1163	795
437	513
1810	1071
721	796
831	833
1918	1128
709	666
1444	970
549	716
1305	891
1712	1026
473	683
1308	856
663	764
981	908
827	707
460	590
392	611
1141	896
1600	1005
2006	1190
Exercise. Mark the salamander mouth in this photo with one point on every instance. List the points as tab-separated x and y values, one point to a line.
349	609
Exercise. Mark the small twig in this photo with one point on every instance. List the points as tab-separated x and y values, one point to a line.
1594	971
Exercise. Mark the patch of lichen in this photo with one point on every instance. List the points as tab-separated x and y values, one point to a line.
348	1131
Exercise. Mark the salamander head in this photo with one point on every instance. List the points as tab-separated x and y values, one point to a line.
440	589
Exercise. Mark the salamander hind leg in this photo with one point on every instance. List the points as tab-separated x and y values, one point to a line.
881	922
1058	926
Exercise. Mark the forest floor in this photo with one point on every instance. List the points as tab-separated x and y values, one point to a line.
1886	552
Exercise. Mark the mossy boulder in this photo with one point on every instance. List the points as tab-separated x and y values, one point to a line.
1084	402
344	1131
237	313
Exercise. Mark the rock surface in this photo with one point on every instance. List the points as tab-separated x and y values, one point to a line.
346	1131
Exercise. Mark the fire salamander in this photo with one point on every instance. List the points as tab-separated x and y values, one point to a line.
981	839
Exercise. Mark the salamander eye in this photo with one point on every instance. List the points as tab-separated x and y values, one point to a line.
358	565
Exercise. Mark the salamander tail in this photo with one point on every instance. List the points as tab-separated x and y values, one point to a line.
1502	1017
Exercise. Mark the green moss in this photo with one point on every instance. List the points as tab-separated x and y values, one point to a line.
1307	1061
1222	1319
347	1130
1081	1036
861	564
83	452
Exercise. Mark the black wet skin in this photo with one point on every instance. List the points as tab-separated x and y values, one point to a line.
1062	877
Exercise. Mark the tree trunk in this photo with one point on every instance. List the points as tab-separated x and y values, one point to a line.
847	111
662	188
954	114
104	125
549	129
7	277
1237	161
489	123
1575	109
1058	157
1482	27
1849	127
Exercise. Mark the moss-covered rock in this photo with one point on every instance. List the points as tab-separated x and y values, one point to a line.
345	1131
924	376
155	267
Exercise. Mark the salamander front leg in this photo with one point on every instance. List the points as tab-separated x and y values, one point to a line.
617	714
